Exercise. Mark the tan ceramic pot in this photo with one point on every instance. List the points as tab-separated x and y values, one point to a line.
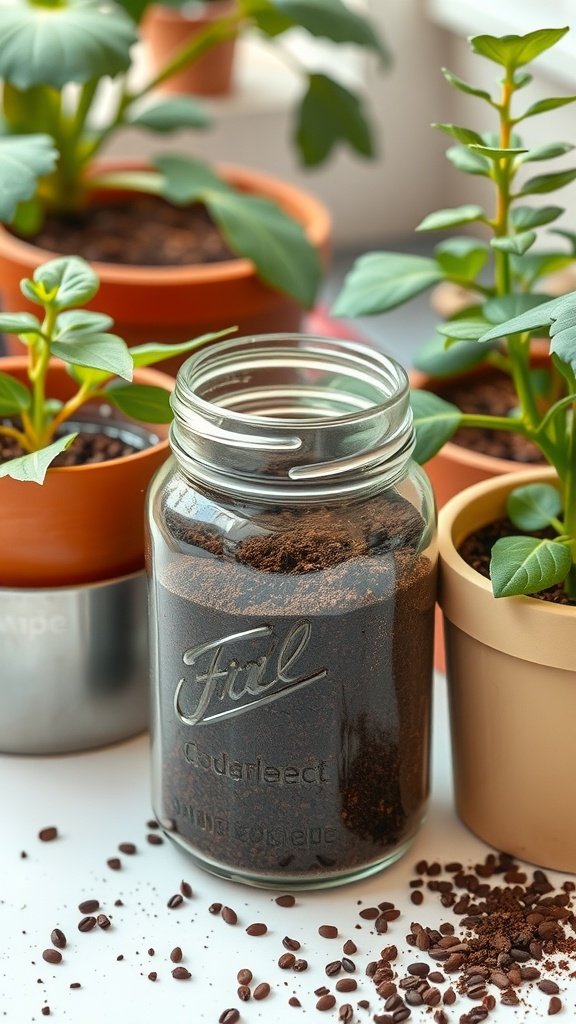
511	669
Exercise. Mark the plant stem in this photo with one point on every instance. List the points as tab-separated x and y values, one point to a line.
38	375
488	422
70	407
18	435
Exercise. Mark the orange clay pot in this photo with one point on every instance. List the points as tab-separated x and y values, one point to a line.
85	523
173	304
165	31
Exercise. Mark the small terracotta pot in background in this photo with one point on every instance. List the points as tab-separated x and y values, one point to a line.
84	523
511	668
166	30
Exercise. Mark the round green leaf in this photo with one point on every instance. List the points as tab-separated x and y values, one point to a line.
62	282
451	218
534	506
103	352
72	41
435	421
171	115
14	396
23	159
330	114
142	402
525	565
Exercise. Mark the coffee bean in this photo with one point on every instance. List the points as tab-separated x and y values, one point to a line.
328	931
262	991
154	839
229	915
381	924
214	908
175	901
176	955
285	901
57	938
46	835
230	1016
440	1017
348	965
326	1002
549	987
244	976
45	1011
128	848
300	965
509	998
349	947
389	953
103	921
286	961
181	973
186	889
88	906
294	1001
416	897
322	991
153	976
346	985
401	1014
151	951
114	863
370	913
52	956
346	1013
75	984
436	977
86	924
419	970
289	943
554	1006
243	993
333	968
257	929
449	997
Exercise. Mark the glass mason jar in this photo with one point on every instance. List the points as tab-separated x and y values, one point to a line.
291	557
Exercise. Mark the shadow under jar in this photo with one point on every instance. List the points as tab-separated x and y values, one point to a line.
291	558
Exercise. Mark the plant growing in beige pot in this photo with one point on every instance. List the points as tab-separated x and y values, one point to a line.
180	247
502	274
510	652
82	430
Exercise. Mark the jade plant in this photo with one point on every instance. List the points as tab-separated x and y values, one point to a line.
57	55
99	362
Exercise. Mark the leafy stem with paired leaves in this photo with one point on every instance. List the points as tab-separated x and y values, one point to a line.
99	362
506	309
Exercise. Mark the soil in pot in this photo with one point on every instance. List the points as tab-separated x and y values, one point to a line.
477	547
90	446
145	232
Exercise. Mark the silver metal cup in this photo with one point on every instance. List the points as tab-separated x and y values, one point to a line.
73	666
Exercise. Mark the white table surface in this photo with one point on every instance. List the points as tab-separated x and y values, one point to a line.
100	799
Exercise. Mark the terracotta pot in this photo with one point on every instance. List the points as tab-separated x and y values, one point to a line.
511	667
85	523
173	304
166	30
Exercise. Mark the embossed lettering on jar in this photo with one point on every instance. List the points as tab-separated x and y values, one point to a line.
291	557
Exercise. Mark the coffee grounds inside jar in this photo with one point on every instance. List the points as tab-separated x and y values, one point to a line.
332	775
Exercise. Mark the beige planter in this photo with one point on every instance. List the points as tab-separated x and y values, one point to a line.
511	668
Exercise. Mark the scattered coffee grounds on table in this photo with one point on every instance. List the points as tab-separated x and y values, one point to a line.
332	776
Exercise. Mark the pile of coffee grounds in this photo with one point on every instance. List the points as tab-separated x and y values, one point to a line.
329	775
85	449
492	395
144	231
477	547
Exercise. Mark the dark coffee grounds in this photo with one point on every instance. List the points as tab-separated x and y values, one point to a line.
142	231
300	744
477	547
492	395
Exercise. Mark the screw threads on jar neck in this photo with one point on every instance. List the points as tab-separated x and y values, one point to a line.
291	417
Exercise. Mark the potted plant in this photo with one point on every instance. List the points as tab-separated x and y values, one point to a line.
503	275
74	468
270	237
169	25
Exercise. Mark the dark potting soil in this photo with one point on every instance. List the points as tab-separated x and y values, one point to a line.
144	231
477	547
493	395
299	663
85	449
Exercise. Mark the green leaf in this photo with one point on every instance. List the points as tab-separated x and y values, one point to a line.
451	218
497	152
518	243
529	268
511	312
187	181
104	352
23	160
563	331
570	236
329	114
142	402
19	323
461	258
62	282
172	115
468	161
463	329
32	468
146	355
14	396
435	422
514	51
75	41
525	565
547	182
277	244
435	358
464	135
331	19
266	17
534	506
380	281
543	106
463	86
524	218
74	322
136	8
547	152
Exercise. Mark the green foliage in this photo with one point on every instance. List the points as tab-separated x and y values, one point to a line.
87	42
508	304
95	358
